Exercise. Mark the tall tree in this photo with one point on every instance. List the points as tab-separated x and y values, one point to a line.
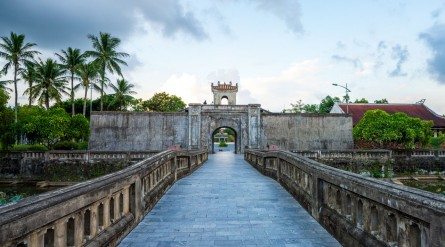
164	102
106	57
327	103
87	73
70	60
122	93
50	82
16	52
29	75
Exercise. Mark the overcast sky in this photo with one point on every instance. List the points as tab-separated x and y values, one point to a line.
278	51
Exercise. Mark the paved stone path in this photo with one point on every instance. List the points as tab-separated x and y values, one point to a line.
227	202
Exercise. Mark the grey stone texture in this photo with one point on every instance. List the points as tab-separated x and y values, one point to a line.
254	127
227	202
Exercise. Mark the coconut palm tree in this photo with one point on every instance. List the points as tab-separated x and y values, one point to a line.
50	82
106	57
70	60
87	73
16	52
122	91
29	75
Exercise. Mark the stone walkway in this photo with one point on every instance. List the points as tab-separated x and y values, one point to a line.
228	203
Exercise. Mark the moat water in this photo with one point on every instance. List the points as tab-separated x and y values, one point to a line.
14	192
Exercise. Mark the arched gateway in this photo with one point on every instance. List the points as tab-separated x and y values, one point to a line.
193	127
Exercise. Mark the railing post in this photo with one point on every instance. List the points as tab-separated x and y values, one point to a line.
106	212
94	220
278	169
60	233
126	194
78	233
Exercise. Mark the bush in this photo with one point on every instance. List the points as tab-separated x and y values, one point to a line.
436	142
83	145
66	145
223	144
25	147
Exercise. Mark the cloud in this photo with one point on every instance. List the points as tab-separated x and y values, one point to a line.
435	40
401	55
188	87
353	61
288	10
58	24
224	75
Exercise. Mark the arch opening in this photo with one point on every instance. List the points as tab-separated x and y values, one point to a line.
224	100
224	139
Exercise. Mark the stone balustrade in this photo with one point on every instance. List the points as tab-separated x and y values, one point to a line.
79	154
357	210
98	212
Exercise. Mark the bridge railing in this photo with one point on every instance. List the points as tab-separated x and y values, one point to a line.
79	154
98	212
357	210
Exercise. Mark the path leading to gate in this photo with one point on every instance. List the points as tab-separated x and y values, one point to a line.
227	202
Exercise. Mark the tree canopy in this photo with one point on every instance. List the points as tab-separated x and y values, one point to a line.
164	102
385	129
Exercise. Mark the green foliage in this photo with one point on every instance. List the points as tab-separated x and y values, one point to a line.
383	128
163	102
436	142
79	128
26	147
299	107
122	91
66	145
327	103
361	101
48	127
7	130
83	145
223	144
381	101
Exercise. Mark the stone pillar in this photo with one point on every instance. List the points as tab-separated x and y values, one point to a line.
94	220
194	126
126	194
78	226
117	210
60	233
35	239
106	214
254	124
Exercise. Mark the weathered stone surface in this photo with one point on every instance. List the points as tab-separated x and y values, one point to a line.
357	210
254	128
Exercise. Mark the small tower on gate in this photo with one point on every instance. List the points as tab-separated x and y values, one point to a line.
224	91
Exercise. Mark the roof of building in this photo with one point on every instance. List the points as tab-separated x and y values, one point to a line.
417	110
225	86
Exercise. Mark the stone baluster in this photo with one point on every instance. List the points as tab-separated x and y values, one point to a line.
60	233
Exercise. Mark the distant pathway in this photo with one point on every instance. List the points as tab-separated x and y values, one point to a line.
227	202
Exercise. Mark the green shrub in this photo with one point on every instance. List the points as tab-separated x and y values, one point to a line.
436	142
25	147
83	145
223	144
66	145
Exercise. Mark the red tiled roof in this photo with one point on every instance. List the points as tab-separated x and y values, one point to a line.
412	110
225	87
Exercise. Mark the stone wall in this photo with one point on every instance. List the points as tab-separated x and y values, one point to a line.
307	131
138	130
254	127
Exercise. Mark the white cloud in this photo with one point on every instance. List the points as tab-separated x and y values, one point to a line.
188	87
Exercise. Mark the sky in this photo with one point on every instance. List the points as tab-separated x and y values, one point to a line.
278	51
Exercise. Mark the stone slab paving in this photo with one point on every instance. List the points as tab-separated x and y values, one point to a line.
227	202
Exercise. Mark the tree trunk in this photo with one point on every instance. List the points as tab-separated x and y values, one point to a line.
85	102
72	94
16	93
30	94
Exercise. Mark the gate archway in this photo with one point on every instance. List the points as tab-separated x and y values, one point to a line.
225	135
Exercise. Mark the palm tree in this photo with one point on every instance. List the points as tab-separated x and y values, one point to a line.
29	75
87	73
122	91
106	57
70	60
16	52
50	82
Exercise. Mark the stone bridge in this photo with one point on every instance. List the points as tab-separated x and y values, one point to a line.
225	203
